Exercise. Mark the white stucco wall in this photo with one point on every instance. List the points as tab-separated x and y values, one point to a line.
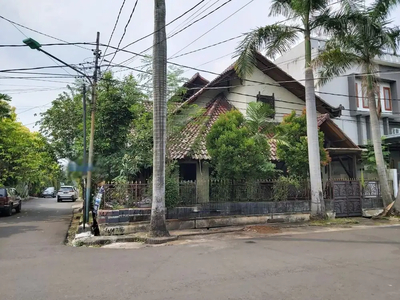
207	96
285	101
292	62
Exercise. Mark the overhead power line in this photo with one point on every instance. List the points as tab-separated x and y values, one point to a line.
126	67
184	28
28	69
212	28
151	34
44	34
40	77
126	26
45	45
38	73
115	26
195	14
207	47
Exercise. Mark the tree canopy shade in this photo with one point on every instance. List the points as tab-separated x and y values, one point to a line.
359	37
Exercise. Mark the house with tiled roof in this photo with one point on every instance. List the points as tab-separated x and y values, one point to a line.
268	84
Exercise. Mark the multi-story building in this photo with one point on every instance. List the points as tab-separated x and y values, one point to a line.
348	91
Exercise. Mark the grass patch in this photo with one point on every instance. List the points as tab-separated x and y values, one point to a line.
330	222
73	227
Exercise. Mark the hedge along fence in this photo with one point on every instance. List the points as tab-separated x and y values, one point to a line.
185	193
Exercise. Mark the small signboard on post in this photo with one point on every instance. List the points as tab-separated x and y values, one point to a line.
97	200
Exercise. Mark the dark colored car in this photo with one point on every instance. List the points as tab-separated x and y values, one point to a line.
49	192
9	200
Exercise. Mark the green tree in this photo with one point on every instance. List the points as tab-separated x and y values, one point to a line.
369	160
5	108
26	158
114	117
236	153
175	80
63	124
294	152
357	39
307	16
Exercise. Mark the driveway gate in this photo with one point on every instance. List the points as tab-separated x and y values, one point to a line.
347	198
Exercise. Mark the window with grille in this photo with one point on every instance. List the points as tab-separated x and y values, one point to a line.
270	100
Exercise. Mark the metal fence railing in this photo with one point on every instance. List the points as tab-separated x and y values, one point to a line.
189	193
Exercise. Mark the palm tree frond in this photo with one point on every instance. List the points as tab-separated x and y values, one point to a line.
258	118
276	39
333	62
391	39
283	8
380	9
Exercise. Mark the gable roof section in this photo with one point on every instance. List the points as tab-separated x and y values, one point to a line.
330	130
292	85
196	81
273	71
191	140
333	133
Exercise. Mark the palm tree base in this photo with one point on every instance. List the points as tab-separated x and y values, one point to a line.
318	216
158	227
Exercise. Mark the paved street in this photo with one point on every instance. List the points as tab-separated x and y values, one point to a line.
34	263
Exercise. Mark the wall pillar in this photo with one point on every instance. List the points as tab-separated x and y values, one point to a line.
203	182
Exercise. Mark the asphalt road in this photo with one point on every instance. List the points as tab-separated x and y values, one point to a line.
34	264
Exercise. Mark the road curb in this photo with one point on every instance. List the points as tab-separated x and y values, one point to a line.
161	240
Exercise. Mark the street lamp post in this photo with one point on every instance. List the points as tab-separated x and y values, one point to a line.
33	44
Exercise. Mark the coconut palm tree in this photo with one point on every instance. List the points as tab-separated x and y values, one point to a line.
359	38
306	16
258	120
157	223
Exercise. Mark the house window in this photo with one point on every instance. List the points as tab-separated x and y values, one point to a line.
357	99
365	98
270	100
387	98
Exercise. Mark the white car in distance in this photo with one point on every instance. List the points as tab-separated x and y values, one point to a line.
67	192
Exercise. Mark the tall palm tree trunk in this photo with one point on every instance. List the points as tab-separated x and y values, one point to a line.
377	142
157	223
317	199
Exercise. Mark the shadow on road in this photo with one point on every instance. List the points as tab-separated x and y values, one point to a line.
8	231
292	239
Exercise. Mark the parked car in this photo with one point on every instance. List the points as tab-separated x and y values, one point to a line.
9	200
49	192
67	192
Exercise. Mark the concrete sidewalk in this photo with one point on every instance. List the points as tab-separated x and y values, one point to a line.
248	231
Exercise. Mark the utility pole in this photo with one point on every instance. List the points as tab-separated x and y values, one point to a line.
91	141
85	220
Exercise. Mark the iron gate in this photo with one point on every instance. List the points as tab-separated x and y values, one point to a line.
347	197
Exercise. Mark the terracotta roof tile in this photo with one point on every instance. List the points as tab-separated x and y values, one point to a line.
191	140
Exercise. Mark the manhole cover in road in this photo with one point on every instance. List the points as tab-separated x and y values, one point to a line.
250	242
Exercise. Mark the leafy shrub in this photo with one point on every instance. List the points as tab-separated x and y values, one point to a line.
283	186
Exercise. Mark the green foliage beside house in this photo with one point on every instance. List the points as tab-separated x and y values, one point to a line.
294	151
235	152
